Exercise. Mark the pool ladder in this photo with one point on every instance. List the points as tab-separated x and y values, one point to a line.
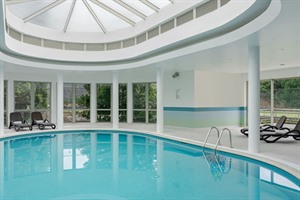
219	137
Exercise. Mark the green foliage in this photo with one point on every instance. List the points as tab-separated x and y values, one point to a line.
22	95
287	93
139	95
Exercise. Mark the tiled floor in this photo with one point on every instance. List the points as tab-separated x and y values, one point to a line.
285	153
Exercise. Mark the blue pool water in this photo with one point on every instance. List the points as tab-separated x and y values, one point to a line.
125	165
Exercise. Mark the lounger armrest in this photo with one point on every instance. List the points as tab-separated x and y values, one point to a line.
285	128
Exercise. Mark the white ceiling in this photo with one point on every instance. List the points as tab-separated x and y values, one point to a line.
279	48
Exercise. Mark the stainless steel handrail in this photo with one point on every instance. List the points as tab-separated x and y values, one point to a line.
209	134
230	138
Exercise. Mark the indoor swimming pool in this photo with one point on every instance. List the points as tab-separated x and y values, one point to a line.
128	165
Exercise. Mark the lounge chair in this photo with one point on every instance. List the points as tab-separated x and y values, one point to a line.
273	137
37	119
18	122
270	128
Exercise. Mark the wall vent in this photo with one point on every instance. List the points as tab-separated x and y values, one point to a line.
186	17
223	2
53	44
95	47
167	26
15	34
113	45
152	33
206	8
128	43
32	40
141	38
74	46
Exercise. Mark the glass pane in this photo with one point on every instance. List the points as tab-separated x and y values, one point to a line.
139	95
152	116
42	95
82	96
46	114
82	116
122	116
122	96
22	95
265	102
68	116
5	94
152	95
68	96
287	99
103	96
103	116
139	116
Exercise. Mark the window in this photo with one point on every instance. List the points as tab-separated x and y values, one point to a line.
144	102
5	103
286	97
76	102
122	102
33	96
104	102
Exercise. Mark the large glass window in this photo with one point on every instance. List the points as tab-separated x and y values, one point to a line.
144	102
76	102
265	102
286	97
5	103
104	102
122	102
33	96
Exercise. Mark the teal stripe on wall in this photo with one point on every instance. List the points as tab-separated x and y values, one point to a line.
203	109
204	117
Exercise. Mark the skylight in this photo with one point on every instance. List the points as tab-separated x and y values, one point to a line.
85	15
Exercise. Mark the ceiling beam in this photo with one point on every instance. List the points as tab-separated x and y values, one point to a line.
112	11
95	16
69	16
130	8
12	2
42	10
150	5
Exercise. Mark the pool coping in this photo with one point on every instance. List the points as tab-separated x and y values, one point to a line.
289	167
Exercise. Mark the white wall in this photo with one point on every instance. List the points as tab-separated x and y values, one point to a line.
179	91
218	89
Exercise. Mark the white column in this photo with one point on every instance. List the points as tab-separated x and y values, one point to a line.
254	99
10	103
1	100
272	101
115	100
129	103
160	105
53	102
93	113
60	102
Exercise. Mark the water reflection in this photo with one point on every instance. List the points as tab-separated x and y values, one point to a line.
127	166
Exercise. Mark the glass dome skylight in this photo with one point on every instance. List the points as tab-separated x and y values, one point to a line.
85	15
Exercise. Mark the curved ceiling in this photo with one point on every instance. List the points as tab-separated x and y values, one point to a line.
85	15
